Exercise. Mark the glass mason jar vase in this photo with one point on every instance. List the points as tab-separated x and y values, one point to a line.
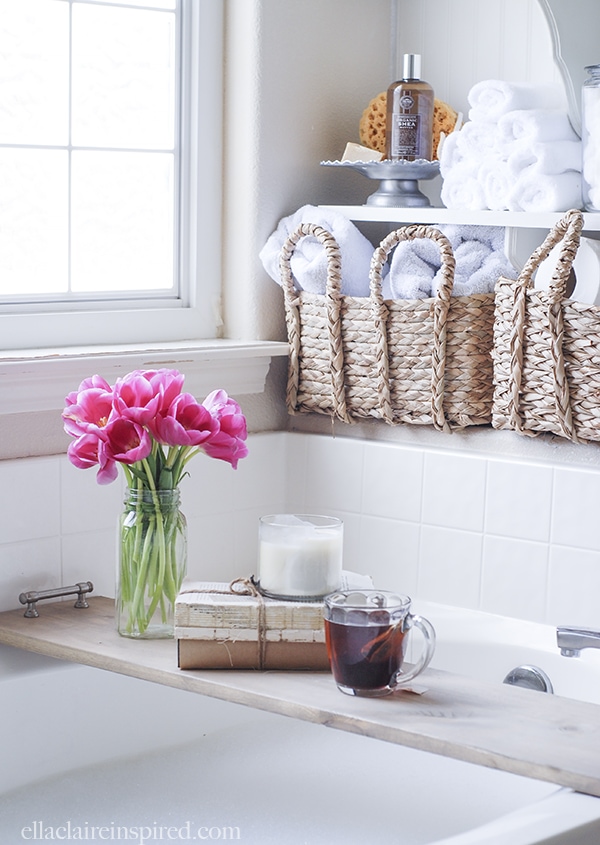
152	562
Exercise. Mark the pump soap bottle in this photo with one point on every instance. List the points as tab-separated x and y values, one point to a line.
409	125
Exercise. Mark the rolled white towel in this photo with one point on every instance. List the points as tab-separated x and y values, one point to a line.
412	267
534	125
484	278
492	98
490	236
475	140
545	192
415	268
497	181
451	154
546	157
309	261
461	188
480	258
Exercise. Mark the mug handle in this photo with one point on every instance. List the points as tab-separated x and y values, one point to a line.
424	625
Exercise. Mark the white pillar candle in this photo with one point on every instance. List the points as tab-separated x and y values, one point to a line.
300	556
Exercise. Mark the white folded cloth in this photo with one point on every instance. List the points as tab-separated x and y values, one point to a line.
415	267
533	125
546	157
412	268
497	181
480	259
309	260
462	189
546	192
451	153
492	98
475	140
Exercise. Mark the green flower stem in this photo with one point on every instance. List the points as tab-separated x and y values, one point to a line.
151	537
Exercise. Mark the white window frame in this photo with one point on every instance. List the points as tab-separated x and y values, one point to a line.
200	206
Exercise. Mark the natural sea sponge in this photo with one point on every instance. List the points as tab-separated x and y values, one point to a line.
371	130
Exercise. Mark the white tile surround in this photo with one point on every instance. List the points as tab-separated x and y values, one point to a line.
506	536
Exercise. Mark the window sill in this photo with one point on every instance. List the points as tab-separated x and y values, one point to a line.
39	379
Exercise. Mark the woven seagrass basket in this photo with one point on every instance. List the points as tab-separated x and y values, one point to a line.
547	348
421	361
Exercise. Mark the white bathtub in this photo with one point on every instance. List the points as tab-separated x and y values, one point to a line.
89	755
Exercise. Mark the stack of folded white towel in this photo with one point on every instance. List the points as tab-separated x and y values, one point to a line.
414	268
517	152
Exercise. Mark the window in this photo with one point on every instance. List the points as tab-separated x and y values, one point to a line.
104	175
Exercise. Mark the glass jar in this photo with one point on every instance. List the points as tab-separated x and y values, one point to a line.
152	562
590	136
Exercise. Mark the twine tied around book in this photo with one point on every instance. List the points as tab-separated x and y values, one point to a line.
244	587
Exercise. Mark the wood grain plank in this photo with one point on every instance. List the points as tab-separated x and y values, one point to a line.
527	733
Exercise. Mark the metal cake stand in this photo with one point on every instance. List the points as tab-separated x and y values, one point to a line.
399	180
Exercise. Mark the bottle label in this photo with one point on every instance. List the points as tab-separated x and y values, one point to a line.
405	135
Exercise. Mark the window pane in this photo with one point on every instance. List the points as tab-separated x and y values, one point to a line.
122	229
34	72
33	221
123	78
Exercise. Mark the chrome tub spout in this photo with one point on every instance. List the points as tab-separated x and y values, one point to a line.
571	641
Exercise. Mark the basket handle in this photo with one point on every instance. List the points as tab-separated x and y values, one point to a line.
292	315
440	308
568	230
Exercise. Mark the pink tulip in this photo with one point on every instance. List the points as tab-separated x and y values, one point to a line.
88	451
126	441
227	444
141	395
135	398
93	381
90	411
186	423
167	384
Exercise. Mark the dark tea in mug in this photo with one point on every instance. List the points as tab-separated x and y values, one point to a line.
365	657
366	634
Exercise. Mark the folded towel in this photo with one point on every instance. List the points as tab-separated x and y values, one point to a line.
451	154
482	280
492	98
309	261
461	188
534	125
491	236
544	192
415	267
476	139
412	268
546	157
497	181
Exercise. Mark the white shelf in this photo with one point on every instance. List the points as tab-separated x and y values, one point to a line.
508	219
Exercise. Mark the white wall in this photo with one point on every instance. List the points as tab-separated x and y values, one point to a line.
514	536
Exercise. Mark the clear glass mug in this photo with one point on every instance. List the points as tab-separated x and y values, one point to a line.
366	634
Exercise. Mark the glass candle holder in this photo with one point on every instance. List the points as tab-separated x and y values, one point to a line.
299	556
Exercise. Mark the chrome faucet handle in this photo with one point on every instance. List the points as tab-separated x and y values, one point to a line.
571	640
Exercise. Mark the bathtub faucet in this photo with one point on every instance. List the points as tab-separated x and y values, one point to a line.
572	640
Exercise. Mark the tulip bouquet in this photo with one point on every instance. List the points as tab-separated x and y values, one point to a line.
149	426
